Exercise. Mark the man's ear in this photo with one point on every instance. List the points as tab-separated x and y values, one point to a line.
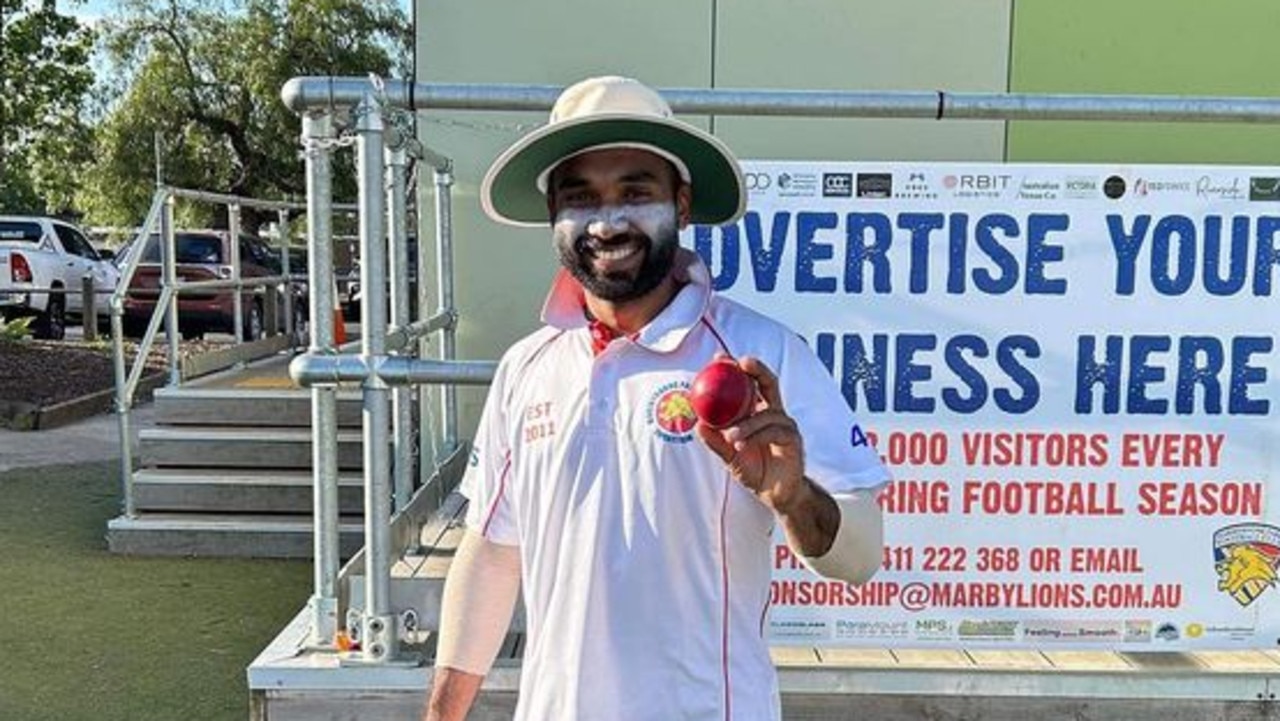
684	203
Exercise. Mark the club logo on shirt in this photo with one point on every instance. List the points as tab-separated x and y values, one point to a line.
670	412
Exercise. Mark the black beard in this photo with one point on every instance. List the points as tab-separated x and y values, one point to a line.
659	257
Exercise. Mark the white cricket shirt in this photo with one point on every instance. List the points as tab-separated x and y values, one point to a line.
645	566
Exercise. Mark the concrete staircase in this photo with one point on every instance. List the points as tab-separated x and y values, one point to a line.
226	471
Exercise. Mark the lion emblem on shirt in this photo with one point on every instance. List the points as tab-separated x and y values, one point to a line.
671	413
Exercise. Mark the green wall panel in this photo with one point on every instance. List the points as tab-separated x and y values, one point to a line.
863	45
1173	47
502	273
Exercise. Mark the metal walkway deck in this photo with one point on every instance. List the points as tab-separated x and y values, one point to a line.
287	681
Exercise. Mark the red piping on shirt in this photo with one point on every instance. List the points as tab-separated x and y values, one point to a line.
502	488
724	593
719	338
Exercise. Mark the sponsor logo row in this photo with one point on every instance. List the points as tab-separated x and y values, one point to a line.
929	185
1047	631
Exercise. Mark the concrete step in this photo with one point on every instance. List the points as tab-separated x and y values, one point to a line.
221	447
238	491
240	535
255	407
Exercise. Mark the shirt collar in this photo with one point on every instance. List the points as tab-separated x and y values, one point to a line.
566	300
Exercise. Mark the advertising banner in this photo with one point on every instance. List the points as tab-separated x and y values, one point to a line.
1072	372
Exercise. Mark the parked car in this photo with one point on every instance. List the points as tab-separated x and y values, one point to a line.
38	253
206	255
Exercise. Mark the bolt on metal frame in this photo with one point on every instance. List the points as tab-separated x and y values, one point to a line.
318	98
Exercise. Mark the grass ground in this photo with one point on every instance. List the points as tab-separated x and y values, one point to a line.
88	635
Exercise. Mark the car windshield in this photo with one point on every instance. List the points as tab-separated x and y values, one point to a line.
192	248
21	231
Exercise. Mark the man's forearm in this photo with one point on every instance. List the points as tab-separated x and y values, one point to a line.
810	518
837	537
475	611
452	694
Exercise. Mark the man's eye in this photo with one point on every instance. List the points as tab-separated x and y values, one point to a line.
577	199
638	194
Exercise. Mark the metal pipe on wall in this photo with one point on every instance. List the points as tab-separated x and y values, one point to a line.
302	93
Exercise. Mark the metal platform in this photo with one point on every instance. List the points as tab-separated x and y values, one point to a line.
838	685
289	681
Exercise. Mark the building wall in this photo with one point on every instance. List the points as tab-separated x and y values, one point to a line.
503	273
1033	46
1163	47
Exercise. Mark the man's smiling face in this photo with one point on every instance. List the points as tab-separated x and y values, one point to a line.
616	216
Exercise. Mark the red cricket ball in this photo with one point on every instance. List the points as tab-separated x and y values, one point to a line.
722	393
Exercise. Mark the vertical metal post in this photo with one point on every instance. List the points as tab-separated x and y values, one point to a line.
282	224
123	401
316	129
397	243
426	430
444	280
124	397
169	251
89	307
378	633
233	223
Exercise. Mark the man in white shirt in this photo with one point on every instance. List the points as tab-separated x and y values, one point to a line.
641	536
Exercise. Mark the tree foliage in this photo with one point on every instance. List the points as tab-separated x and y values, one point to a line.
45	76
206	78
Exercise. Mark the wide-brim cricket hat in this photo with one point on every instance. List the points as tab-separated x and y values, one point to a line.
612	112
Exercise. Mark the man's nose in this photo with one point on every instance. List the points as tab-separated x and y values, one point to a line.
608	224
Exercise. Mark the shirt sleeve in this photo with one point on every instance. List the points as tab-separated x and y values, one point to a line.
485	482
837	452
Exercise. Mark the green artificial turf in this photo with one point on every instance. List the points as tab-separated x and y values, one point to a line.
89	635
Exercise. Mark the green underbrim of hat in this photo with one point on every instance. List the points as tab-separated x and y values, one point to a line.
717	195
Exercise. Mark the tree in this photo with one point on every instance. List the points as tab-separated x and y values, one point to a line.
206	79
44	79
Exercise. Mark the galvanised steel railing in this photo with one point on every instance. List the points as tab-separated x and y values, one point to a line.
371	100
159	222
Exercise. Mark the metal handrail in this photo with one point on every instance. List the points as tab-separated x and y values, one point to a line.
164	311
401	337
54	291
124	386
206	196
242	283
309	93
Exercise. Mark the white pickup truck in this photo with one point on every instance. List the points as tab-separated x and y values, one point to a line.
38	253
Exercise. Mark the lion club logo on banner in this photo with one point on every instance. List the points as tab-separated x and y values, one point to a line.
671	413
1246	556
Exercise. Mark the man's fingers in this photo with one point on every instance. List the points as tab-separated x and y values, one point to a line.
754	423
766	381
778	435
715	440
